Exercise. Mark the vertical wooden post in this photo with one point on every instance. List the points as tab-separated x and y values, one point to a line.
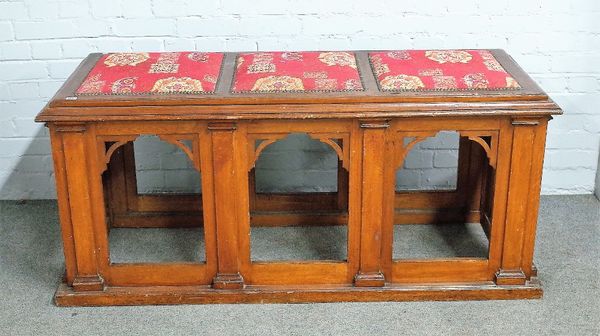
529	136
71	157
475	181
370	273
342	186
115	185
225	176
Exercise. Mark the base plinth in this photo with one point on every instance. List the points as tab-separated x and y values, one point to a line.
167	295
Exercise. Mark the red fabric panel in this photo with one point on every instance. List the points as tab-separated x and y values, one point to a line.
296	72
153	73
408	70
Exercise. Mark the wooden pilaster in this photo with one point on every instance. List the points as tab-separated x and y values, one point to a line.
226	208
71	157
529	137
370	273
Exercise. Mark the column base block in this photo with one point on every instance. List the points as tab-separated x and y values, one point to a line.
510	277
376	279
88	283
228	281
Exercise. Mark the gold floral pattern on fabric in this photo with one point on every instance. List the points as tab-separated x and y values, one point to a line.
338	58
314	74
278	83
198	57
92	84
512	83
166	63
401	82
379	67
399	55
261	67
210	78
177	85
261	63
164	68
476	81
449	56
490	61
126	59
327	84
124	85
444	82
262	57
352	85
292	56
431	72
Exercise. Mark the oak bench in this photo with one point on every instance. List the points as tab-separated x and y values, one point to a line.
370	107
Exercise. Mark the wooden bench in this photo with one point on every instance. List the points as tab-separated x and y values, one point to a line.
371	108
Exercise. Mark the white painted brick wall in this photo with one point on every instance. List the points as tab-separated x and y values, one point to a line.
556	41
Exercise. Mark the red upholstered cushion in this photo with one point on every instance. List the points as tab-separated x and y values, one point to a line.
414	70
296	72
153	73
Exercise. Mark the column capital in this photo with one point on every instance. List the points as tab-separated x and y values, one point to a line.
375	123
524	122
222	126
70	127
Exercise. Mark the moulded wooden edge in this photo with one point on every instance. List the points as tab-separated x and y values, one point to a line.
65	296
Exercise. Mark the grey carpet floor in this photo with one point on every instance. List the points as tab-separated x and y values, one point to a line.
567	255
298	243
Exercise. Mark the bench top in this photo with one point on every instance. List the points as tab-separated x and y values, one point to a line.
308	84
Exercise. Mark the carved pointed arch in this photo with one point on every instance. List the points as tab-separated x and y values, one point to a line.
402	149
106	153
489	146
177	141
488	141
327	138
118	141
265	140
342	151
